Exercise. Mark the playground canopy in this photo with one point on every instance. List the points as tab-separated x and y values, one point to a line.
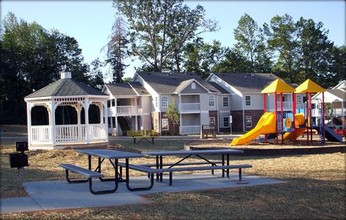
309	87
278	86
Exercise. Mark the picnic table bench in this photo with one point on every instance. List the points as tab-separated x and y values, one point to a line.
143	135
89	174
151	171
113	156
160	167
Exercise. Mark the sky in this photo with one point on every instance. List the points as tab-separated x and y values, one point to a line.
90	22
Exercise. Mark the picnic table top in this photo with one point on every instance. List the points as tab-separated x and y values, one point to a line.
188	152
110	154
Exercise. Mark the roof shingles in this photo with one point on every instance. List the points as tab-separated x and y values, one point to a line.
248	82
167	83
65	87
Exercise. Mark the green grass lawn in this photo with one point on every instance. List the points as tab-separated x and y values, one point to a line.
314	188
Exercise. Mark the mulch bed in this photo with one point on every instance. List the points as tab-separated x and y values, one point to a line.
270	149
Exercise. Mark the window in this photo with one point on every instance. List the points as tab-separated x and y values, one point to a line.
164	102
225	101
211	101
247	100
226	122
193	85
165	124
248	121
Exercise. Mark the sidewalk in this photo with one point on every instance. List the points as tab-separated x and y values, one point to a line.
55	195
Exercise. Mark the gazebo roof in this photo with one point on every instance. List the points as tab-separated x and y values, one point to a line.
309	87
278	86
66	87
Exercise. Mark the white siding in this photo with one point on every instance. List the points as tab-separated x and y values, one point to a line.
256	101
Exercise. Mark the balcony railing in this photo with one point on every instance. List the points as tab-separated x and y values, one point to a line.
190	107
193	129
124	110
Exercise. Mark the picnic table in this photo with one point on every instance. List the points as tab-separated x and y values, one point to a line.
113	156
158	168
223	161
147	135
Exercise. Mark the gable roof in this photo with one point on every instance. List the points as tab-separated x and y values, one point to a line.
168	83
185	84
66	87
341	85
341	95
218	87
248	82
126	89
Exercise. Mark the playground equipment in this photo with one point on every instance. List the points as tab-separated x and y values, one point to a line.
331	135
265	125
308	87
285	121
284	117
300	128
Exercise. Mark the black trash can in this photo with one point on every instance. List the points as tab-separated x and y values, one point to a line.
18	160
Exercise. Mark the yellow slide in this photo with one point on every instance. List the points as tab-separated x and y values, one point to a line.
298	131
265	125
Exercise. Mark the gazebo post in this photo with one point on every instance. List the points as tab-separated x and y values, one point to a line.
86	110
52	109
79	123
105	117
28	113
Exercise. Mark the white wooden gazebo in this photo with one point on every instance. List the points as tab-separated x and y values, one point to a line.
66	113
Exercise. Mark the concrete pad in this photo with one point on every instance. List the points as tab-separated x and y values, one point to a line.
55	195
18	204
62	195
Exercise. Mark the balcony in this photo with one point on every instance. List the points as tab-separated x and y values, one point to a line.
190	107
192	129
127	110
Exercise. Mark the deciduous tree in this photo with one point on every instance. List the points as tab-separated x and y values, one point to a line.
283	39
160	29
252	45
31	58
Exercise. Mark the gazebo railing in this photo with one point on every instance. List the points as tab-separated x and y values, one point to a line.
40	134
97	132
77	133
69	133
65	134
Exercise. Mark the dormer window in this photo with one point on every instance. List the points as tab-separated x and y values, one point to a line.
193	85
